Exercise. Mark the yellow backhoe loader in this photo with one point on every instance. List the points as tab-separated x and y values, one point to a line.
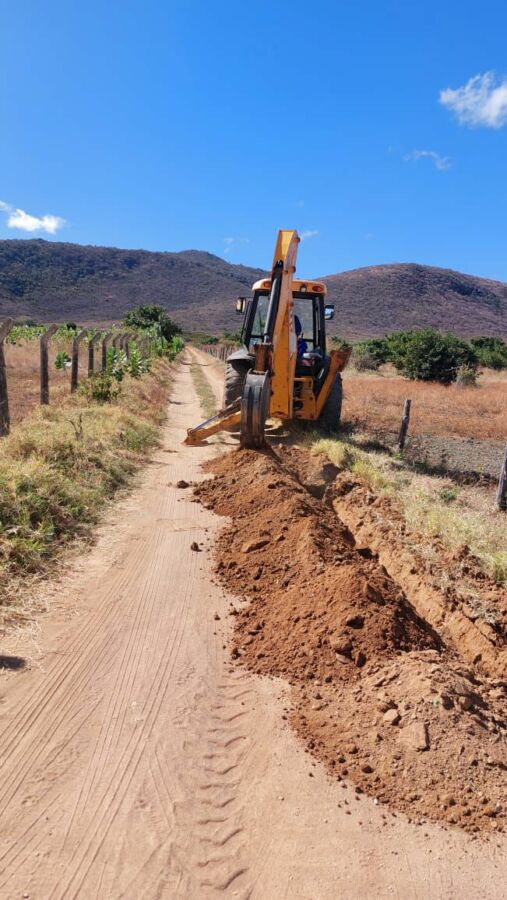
283	369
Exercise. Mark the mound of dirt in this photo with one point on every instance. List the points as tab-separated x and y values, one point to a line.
379	694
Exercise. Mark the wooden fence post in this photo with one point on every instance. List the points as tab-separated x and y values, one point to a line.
404	425
126	339
91	352
5	419
74	370
105	339
44	364
501	494
144	347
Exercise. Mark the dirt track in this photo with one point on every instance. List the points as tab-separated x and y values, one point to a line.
138	762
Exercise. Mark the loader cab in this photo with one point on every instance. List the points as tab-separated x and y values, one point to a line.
310	312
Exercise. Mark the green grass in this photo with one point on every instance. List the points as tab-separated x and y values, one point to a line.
204	391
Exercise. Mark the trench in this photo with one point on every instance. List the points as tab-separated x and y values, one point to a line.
394	688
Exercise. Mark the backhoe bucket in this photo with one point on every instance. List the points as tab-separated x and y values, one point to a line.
227	417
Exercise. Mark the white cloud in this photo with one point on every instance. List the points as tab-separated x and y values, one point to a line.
18	218
442	163
481	101
309	233
229	243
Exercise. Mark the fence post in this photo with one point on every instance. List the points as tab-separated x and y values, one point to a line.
104	349
91	352
5	419
127	337
117	341
404	424
44	364
74	371
501	494
144	347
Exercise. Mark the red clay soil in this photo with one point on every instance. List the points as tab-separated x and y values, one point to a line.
381	690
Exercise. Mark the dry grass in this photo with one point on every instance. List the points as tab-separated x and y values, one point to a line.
431	505
23	375
375	403
204	391
62	464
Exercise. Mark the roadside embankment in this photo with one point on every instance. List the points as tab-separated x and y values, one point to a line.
58	469
398	678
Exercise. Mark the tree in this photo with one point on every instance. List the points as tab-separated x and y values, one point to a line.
490	351
428	355
149	316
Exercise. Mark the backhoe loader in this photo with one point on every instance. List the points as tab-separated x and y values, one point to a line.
283	369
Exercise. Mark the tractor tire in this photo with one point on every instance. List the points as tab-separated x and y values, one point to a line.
233	385
330	416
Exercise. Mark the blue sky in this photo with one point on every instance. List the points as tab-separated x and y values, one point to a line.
208	125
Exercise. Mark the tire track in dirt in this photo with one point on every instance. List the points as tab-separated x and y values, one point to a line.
141	764
220	741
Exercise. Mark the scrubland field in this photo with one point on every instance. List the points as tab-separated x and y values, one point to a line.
375	402
23	375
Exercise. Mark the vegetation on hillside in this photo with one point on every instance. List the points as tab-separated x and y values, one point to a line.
52	280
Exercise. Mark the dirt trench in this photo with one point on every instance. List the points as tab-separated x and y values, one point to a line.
396	685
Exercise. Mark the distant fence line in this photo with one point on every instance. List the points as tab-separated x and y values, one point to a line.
119	340
219	351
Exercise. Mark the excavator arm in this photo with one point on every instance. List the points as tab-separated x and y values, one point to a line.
268	388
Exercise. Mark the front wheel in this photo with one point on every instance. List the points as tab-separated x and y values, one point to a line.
330	416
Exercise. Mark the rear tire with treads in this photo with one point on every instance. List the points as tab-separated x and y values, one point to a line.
233	383
330	416
255	409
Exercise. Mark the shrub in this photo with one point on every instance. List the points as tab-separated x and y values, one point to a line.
375	347
154	317
340	343
100	388
62	360
467	376
364	360
136	365
177	345
116	363
428	355
490	351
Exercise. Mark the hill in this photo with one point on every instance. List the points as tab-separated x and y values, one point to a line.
51	281
377	299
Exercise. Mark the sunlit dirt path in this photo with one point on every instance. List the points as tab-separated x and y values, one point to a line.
136	761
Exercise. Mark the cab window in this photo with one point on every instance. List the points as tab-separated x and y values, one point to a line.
259	318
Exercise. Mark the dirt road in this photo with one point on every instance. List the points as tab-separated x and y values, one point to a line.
138	762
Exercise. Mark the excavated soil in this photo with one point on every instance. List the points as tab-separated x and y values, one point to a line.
398	680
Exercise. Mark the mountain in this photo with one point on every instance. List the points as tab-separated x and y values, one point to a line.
51	281
377	299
